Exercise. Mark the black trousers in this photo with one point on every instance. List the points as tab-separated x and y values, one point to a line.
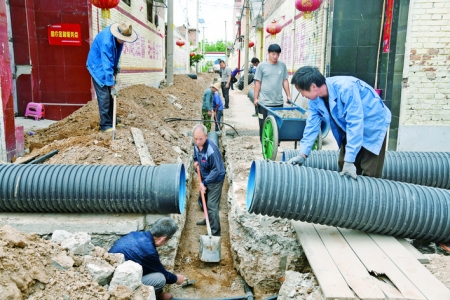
225	93
366	163
212	198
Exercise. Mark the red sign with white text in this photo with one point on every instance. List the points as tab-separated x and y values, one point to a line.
64	35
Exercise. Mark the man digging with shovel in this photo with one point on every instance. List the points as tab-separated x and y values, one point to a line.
208	158
102	63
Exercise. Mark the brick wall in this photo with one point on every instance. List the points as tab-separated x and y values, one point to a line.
426	90
142	62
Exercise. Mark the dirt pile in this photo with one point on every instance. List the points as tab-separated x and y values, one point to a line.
79	140
29	271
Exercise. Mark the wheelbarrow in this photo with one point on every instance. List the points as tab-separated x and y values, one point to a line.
278	128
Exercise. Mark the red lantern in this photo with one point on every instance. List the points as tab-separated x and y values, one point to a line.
307	6
180	43
105	5
192	54
273	28
251	44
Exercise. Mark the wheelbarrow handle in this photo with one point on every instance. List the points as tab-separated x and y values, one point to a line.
205	210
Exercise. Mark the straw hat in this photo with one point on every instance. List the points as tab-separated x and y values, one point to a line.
216	85
124	31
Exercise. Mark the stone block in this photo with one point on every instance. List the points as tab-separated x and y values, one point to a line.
128	274
100	271
79	244
60	235
62	262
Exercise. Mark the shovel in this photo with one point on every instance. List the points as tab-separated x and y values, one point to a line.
114	118
209	245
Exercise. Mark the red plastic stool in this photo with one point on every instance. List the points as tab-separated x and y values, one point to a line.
35	110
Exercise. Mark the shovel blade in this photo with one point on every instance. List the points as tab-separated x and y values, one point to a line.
210	248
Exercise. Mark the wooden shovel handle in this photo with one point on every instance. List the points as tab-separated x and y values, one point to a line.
205	210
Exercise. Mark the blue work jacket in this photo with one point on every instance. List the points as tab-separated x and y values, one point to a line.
207	99
103	57
139	246
357	114
218	104
210	162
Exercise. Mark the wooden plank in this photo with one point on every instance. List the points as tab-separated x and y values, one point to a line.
378	262
330	279
388	289
25	159
351	268
141	146
428	285
422	258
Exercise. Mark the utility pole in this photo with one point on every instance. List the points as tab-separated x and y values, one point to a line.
246	40
169	62
203	41
196	34
188	44
226	44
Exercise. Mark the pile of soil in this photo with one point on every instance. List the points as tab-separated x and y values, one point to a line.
79	140
28	271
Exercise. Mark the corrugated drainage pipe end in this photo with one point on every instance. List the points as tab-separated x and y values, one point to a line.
250	187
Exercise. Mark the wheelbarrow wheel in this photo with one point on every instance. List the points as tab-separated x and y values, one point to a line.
318	142
270	138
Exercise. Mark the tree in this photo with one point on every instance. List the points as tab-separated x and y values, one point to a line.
219	46
194	59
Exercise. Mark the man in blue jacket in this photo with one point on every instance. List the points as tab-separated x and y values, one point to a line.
208	157
140	247
357	116
102	63
207	105
217	107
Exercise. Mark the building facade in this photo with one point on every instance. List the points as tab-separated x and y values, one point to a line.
400	47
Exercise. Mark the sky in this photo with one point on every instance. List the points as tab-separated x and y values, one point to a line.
213	12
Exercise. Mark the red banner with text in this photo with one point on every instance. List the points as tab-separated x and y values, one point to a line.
388	26
64	34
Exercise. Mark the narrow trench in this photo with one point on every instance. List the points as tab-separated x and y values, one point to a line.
214	280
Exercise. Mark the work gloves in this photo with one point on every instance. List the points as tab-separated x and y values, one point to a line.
114	92
297	160
349	169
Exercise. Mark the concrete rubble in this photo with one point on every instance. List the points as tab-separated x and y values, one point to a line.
128	274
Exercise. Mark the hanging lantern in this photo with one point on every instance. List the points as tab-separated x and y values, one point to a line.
307	6
273	28
105	5
251	44
180	43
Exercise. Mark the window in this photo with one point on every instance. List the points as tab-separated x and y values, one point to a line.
127	2
150	11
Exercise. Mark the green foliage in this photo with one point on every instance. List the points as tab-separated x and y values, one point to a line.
195	59
219	46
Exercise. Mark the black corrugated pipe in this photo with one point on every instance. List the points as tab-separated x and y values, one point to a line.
92	188
423	168
368	204
43	157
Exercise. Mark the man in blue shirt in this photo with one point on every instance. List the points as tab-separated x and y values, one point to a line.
140	247
207	104
208	157
357	116
217	107
102	64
